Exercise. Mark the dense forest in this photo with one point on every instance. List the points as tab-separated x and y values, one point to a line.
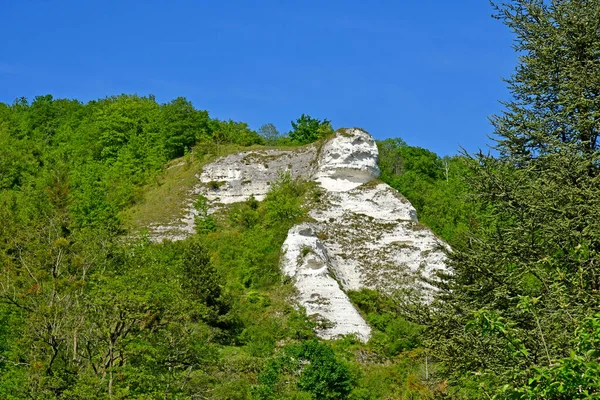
90	308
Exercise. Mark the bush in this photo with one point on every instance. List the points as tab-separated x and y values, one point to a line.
315	367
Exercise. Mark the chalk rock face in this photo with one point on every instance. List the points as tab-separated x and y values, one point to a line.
348	160
373	240
366	235
307	262
235	177
363	234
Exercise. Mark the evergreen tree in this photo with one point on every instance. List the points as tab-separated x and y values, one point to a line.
529	276
556	85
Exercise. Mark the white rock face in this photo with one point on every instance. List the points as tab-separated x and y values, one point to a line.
306	260
348	160
236	177
374	240
377	200
365	234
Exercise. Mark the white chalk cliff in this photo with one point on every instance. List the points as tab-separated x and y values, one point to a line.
364	233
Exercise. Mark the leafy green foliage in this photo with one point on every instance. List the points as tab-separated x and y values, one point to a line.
320	374
435	186
234	132
86	313
307	129
526	280
271	135
182	126
204	222
247	245
554	93
202	281
325	377
392	334
574	377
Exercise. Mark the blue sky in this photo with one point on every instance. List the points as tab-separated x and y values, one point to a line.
426	71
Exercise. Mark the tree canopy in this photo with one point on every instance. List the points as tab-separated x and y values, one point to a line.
307	129
524	286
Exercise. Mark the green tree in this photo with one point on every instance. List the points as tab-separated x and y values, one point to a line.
42	121
233	132
270	133
435	186
528	276
574	377
307	129
203	283
122	120
182	125
555	87
16	160
315	367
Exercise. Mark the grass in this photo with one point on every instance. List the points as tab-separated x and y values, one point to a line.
166	199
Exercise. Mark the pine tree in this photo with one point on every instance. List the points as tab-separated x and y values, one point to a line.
529	275
556	85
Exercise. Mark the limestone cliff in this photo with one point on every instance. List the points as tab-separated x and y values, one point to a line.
363	234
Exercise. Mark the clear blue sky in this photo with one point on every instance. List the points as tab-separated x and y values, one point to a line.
426	71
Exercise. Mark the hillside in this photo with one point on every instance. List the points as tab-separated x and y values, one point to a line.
151	251
358	233
94	305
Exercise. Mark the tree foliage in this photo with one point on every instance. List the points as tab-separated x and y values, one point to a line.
318	371
555	86
435	186
84	311
307	129
526	281
270	133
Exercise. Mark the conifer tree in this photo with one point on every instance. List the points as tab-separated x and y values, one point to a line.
556	84
529	275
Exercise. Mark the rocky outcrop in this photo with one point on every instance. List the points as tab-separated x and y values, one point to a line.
375	241
347	160
363	234
235	177
306	260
